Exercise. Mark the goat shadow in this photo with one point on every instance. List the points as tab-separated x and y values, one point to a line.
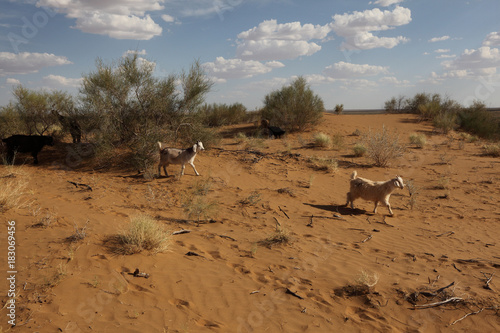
341	209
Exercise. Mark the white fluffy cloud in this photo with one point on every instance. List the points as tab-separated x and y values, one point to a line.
493	39
118	19
26	62
357	28
223	69
57	81
480	62
438	39
12	81
273	41
345	70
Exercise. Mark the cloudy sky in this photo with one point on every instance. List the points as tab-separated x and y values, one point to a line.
352	52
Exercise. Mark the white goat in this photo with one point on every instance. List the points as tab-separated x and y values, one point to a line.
178	156
370	190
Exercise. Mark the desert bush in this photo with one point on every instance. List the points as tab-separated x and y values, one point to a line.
294	107
322	140
144	233
252	199
492	150
477	120
414	192
198	206
359	150
215	115
382	147
418	140
395	105
339	108
10	121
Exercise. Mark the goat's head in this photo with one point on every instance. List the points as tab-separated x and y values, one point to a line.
48	140
398	182
198	146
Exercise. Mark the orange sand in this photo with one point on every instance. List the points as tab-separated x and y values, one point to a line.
239	285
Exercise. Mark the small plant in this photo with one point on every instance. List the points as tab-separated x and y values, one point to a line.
322	140
95	282
80	233
252	199
324	164
57	276
240	138
367	279
382	147
419	140
338	141
443	183
414	191
280	237
492	150
359	150
144	233
202	186
196	207
46	220
357	132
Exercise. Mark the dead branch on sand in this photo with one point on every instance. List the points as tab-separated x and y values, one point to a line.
432	305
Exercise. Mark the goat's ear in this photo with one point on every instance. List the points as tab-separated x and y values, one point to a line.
396	183
195	147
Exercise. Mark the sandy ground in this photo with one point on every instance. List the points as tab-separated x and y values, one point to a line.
316	283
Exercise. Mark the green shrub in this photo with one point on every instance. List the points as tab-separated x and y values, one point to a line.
294	107
477	120
215	115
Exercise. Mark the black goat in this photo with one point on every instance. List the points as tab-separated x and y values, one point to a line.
26	144
275	131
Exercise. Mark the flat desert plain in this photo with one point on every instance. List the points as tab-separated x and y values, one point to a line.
271	246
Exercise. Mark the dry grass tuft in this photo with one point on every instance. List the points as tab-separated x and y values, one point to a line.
13	186
322	140
382	147
324	164
367	279
419	140
144	233
280	237
492	150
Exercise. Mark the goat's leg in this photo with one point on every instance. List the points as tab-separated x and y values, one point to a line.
375	209
182	169
196	172
389	206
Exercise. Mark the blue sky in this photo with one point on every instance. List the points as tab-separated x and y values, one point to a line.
352	52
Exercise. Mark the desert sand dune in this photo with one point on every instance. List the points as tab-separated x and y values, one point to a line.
343	270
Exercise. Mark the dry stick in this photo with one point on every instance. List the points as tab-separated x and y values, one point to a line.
284	212
80	184
183	231
441	289
310	224
431	305
471	313
227	237
488	280
367	239
448	233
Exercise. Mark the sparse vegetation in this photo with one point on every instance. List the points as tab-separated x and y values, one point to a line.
382	147
414	192
324	163
492	150
252	199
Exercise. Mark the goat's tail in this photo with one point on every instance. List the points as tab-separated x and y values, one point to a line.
354	175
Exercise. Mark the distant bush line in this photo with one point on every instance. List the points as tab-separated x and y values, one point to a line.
446	114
